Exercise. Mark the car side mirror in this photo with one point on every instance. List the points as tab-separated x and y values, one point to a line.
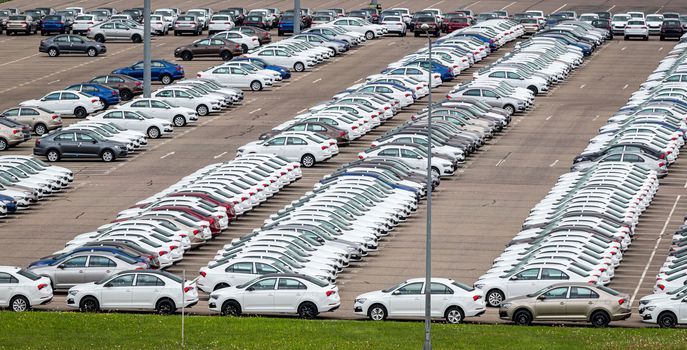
541	297
107	285
94	141
419	157
60	266
141	118
498	97
396	293
514	278
43	99
250	289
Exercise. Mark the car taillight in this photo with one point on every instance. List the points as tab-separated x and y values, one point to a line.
94	100
114	92
162	252
324	147
592	282
661	164
267	185
195	232
354	127
342	133
182	235
476	297
203	273
178	69
243	199
330	293
15	131
42	285
418	87
237	46
38	142
645	27
172	247
661	286
212	221
602	269
254	39
360	157
187	289
662	156
198	75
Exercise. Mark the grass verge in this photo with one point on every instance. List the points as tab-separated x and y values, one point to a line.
55	330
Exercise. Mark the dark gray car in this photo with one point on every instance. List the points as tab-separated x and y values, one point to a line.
68	43
78	144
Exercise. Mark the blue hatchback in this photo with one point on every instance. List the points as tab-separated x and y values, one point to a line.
160	70
285	74
106	94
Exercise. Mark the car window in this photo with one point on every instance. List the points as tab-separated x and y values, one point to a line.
299	127
529	274
69	96
582	293
290	283
556	293
512	75
264	269
61	39
114	115
107	26
6	278
121	26
391	152
242	267
281	53
158	104
65	137
79	261
100	261
115	80
473	92
279	141
497	75
182	94
553	274
131	116
266	284
266	53
140	104
237	71
316	128
488	93
203	42
13	112
122	281
84	137
164	93
52	97
406	153
145	280
613	158
411	288
291	141
633	158
440	288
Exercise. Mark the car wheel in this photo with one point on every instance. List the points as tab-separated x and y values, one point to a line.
495	297
308	160
299	67
244	48
231	308
89	304
19	304
220	286
53	155
136	38
186	56
165	307
279	33
99	38
454	315
256	86
202	110
307	311
600	319
176	33
126	95
435	172
417	34
662	38
625	37
107	156
53	52
646	38
153	132
179	121
667	320
377	312
533	89
369	35
92	52
105	104
40	129
225	56
80	112
166	79
522	318
42	33
509	109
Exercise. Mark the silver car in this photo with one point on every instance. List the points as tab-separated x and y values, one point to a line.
490	96
86	267
115	31
658	165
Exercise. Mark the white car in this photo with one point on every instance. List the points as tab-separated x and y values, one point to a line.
277	293
247	42
236	77
412	156
619	22
158	25
67	103
168	15
156	108
236	272
667	313
22	289
134	290
83	22
301	149
451	300
636	28
132	120
394	24
359	25
654	22
220	23
180	97
282	57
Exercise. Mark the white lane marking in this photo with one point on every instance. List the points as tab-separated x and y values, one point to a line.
509	5
160	44
623	48
19	59
595	118
610	8
317	80
357	81
560	8
660	48
391	43
255	110
473	4
54	81
582	86
685	186
659	9
625	87
167	155
302	110
435	4
500	162
219	155
549	117
653	252
553	164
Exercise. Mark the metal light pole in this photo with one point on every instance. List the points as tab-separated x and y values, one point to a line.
296	17
146	48
428	243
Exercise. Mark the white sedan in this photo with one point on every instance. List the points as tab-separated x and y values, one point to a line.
451	300
156	108
281	57
237	77
131	120
220	23
21	289
180	97
667	313
301	149
67	103
247	42
278	293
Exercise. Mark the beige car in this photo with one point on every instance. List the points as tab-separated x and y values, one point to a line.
10	137
568	302
39	119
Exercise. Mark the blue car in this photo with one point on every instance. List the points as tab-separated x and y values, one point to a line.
55	24
160	70
285	74
9	203
106	94
51	260
285	25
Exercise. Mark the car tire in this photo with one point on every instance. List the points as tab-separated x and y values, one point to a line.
255	85
369	35
99	38
19	303
107	156
166	79
308	160
202	110
454	315
600	319
53	155
533	89
307	310
495	297
509	109
279	33
186	56
221	285
105	104
417	34
40	129
176	33
153	132
435	171
92	52
62	31
80	112
299	67
377	312
625	37
666	319
230	308
53	52
179	120
136	39
42	33
244	48
126	94
89	304
226	55
662	38
165	307
522	318
646	38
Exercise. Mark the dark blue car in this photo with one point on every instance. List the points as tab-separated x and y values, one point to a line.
107	95
9	203
51	260
160	70
285	25
55	24
285	74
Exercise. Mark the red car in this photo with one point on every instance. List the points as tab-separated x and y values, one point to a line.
455	20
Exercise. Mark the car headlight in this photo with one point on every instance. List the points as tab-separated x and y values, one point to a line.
360	301
479	285
73	292
506	305
116	146
650	308
214	296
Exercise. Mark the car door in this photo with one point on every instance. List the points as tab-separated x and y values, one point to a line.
63	44
67	144
159	110
551	304
296	147
146	291
118	292
7	286
202	47
268	56
259	297
143	105
682	312
523	283
109	30
132	121
52	102
77	44
136	71
283	58
156	70
86	145
115	117
121	31
240	77
289	294
580	302
239	273
16	115
407	300
70	272
413	159
471	95
441	298
276	146
98	268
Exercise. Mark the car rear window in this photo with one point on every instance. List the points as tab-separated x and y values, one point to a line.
462	286
609	290
17	18
186	18
53	18
636	22
28	274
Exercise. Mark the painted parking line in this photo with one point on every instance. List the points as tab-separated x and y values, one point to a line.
553	164
167	155
473	4
255	110
19	60
610	8
549	117
582	86
219	155
625	87
509	5
560	8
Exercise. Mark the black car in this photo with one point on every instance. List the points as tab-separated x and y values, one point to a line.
672	29
69	43
78	144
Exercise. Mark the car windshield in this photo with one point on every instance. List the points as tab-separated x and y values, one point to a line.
426	19
654	18
389	290
186	18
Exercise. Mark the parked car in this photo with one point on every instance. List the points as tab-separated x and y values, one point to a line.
107	95
210	47
187	24
671	29
39	119
237	77
21	24
161	70
21	289
636	28
55	24
85	267
667	312
83	22
114	31
220	23
10	136
131	120
156	108
305	150
127	86
68	43
78	144
67	103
